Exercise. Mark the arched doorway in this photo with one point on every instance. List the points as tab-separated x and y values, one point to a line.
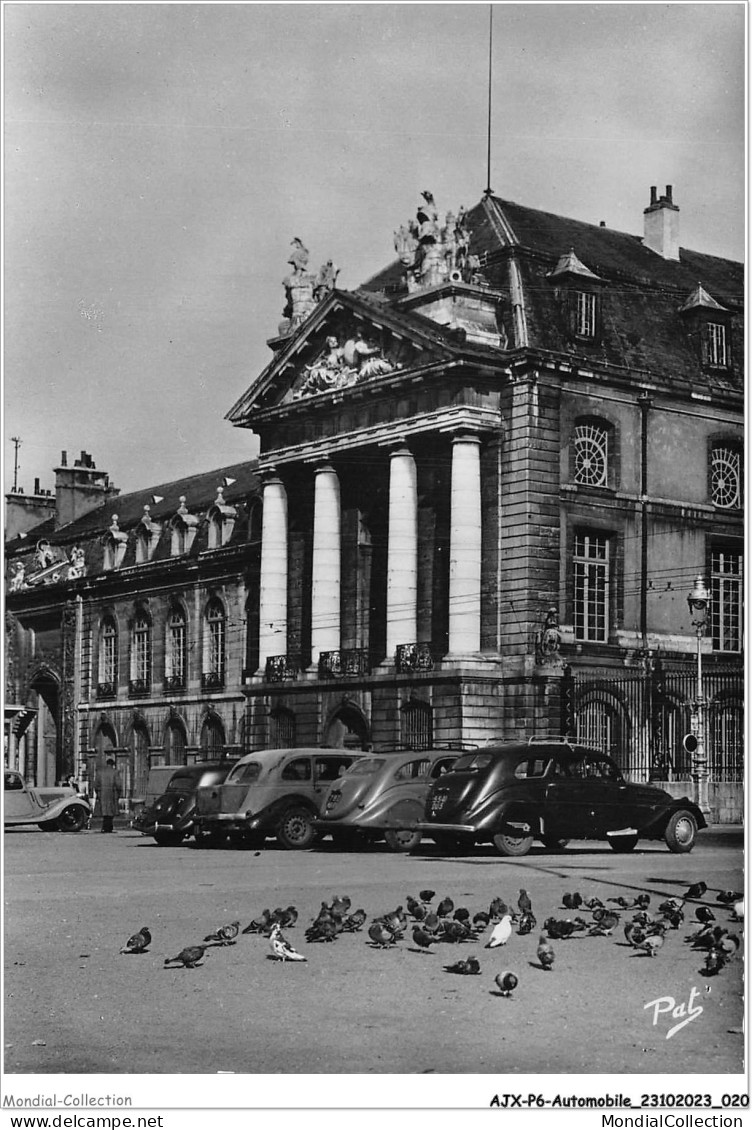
347	729
49	764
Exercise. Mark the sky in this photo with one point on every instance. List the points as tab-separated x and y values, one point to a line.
160	158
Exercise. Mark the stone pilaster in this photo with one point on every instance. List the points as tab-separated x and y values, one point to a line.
402	563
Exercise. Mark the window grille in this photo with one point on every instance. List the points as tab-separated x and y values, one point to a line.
212	738
175	743
214	642
591	587
717	352
726	600
591	455
282	730
725	477
584	314
417	725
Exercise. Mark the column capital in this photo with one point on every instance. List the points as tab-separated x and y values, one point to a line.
466	437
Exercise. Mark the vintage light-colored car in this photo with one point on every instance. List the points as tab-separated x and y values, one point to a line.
53	808
273	792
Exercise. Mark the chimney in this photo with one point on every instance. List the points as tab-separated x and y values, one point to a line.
662	225
79	489
36	486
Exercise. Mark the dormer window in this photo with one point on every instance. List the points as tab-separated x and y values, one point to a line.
147	537
221	522
578	290
115	544
183	530
709	327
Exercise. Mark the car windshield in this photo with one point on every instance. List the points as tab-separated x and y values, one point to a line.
472	762
249	771
365	767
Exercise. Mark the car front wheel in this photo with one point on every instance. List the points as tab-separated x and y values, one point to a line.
681	831
512	843
402	839
167	838
295	830
72	819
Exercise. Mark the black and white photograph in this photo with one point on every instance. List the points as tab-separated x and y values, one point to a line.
373	387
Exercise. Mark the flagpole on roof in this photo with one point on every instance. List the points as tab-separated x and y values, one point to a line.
489	190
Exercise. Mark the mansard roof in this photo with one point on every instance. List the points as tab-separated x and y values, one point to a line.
200	491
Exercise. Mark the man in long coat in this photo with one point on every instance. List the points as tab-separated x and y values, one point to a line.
109	789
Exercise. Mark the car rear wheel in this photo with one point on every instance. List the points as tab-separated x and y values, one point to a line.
512	843
168	838
681	831
402	839
623	844
73	818
295	830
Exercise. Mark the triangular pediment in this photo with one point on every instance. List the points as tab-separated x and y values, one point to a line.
345	342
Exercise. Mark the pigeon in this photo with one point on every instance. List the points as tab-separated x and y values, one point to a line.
225	935
259	925
281	948
728	896
445	907
706	937
651	944
470	966
606	922
730	945
422	939
737	913
600	913
462	914
696	891
341	905
325	930
396	920
324	912
641	901
501	933
481	920
189	957
545	953
527	923
381	935
286	918
715	961
354	922
523	902
137	943
560	928
426	896
572	902
506	982
431	923
592	903
497	909
704	914
417	909
672	906
454	931
635	933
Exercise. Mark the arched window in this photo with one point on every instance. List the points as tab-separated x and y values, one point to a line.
107	675
212	739
417	724
140	680
726	476
175	651
213	675
282	729
175	744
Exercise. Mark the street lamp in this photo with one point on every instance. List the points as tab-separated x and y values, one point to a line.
699	606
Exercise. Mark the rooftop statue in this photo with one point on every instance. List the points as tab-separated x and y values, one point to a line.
434	252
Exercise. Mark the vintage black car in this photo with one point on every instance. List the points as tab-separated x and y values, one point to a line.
552	791
171	818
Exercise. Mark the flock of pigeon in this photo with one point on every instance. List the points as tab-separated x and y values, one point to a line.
447	924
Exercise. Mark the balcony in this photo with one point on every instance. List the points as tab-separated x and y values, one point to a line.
107	690
282	667
410	657
139	688
213	680
174	683
346	663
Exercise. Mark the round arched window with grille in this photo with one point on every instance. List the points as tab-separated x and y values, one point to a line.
591	455
725	477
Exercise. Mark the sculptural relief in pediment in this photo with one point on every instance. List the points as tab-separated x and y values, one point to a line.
346	359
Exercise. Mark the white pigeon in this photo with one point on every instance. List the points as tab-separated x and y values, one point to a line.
501	933
281	948
738	911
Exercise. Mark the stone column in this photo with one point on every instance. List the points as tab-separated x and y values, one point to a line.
327	549
465	547
402	553
273	575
